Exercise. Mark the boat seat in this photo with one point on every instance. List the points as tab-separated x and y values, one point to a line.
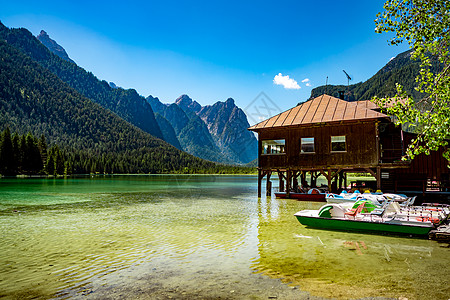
313	191
393	207
409	201
354	211
378	212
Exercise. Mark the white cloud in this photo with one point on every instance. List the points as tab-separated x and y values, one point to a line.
286	82
305	80
308	84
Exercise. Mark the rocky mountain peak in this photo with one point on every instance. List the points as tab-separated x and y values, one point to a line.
228	125
215	132
230	101
113	85
186	103
53	46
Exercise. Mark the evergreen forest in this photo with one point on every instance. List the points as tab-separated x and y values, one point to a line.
28	155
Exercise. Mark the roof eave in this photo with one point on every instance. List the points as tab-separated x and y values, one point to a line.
319	123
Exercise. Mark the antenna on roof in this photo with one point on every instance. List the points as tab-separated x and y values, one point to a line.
348	77
326	85
348	83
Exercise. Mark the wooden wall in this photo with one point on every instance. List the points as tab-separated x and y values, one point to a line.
360	142
433	166
363	151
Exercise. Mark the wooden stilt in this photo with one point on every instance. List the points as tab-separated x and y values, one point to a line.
281	177
329	180
269	188
302	177
341	177
314	178
378	178
345	180
269	185
260	176
288	183
295	180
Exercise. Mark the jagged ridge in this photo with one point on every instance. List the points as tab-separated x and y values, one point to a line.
216	132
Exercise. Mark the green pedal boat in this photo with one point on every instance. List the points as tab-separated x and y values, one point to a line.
415	220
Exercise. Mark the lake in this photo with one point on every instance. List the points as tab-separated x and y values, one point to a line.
201	237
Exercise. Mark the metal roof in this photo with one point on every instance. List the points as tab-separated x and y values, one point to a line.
322	109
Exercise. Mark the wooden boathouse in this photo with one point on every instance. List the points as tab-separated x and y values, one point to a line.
332	137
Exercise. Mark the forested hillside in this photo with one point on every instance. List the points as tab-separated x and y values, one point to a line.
128	104
401	70
91	138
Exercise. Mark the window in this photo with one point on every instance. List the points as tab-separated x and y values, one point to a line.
338	143
273	147
307	145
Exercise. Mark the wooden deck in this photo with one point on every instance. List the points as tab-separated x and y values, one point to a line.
442	233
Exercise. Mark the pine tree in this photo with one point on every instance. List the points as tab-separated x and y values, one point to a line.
16	150
32	155
7	154
21	153
43	148
49	167
59	161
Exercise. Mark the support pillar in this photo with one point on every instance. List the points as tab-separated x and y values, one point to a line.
269	185
314	176
295	180
288	183
281	177
329	180
341	177
345	180
260	177
302	179
378	178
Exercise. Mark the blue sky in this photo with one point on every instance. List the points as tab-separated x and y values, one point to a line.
213	50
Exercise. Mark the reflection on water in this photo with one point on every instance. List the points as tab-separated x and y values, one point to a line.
193	236
348	265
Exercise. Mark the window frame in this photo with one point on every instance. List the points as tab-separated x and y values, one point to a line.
274	144
345	143
313	143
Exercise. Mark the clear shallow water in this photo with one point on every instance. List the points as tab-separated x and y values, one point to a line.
209	237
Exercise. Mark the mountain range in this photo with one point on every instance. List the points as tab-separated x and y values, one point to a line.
100	128
191	129
215	132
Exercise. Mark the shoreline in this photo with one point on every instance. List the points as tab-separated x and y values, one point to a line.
99	175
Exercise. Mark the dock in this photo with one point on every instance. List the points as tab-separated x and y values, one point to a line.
442	233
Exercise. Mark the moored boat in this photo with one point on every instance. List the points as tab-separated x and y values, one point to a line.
311	195
391	219
378	199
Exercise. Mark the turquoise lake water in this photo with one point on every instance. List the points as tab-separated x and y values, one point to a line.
194	237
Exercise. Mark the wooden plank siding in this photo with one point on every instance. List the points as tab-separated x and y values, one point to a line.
432	166
360	143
